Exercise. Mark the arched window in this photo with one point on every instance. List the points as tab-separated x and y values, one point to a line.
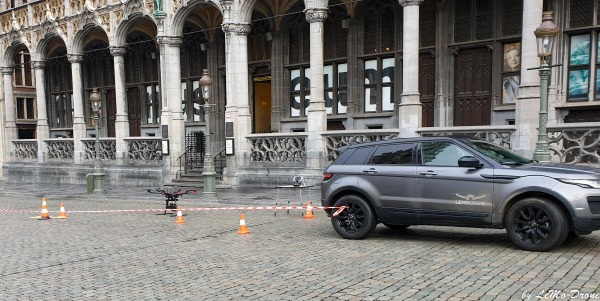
298	42
60	90
193	61
335	49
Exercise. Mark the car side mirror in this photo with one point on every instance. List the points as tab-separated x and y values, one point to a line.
469	162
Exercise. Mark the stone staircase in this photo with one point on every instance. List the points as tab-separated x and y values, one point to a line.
193	178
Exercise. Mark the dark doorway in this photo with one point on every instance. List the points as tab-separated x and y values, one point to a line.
427	88
134	110
111	112
473	83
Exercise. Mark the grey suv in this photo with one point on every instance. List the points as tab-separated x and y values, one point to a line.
460	181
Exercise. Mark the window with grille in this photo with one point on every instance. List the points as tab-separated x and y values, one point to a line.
298	38
473	20
379	26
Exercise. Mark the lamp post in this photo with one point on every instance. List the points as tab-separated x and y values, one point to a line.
98	174
545	34
208	169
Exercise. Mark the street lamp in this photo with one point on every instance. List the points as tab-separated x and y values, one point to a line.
208	169
98	174
545	35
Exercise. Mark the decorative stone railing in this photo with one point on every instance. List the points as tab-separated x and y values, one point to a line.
60	148
278	147
107	149
501	135
575	143
144	149
337	139
25	149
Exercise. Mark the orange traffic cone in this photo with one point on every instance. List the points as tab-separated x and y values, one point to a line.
45	214
243	229
62	213
309	213
179	219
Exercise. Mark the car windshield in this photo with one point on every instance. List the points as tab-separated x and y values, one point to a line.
498	153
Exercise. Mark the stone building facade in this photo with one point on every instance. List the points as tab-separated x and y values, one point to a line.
293	80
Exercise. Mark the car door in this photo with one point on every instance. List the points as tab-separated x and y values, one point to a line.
389	176
449	194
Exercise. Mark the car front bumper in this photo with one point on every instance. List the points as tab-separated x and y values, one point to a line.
586	224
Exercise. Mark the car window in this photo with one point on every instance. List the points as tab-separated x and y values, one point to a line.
496	152
359	156
442	153
398	154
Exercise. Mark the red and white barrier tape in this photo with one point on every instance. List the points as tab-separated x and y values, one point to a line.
339	209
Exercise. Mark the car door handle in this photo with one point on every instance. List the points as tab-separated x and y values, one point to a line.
428	173
370	171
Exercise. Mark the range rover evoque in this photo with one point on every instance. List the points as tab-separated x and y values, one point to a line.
460	181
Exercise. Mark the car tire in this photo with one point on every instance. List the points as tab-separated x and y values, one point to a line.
355	222
536	224
396	227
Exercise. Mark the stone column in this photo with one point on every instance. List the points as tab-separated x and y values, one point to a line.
121	120
43	130
410	106
237	110
527	104
10	127
79	125
317	114
171	93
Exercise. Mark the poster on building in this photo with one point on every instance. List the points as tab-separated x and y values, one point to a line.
512	57
510	88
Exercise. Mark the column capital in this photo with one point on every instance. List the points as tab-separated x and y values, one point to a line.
8	70
170	40
316	15
38	64
405	3
239	28
117	50
75	58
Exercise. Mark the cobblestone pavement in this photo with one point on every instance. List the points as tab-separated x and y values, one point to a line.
144	256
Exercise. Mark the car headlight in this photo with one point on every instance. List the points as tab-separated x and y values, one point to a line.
582	183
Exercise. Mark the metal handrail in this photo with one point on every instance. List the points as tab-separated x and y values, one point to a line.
219	169
178	173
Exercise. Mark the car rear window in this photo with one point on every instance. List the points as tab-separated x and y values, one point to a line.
397	154
354	156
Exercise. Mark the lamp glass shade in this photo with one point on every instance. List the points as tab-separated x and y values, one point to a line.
95	100
205	83
544	45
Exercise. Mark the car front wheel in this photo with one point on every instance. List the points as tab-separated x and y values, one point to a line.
536	224
355	222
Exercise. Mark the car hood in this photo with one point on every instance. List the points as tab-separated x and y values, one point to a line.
558	170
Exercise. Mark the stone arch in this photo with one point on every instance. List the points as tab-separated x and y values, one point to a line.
206	14
11	51
138	22
88	33
46	45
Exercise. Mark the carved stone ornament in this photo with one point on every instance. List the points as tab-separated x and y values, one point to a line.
135	6
169	40
314	15
226	5
236	28
48	27
410	2
88	17
75	58
8	70
118	50
38	64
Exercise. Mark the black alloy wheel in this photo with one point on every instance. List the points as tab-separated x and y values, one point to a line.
355	222
536	224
